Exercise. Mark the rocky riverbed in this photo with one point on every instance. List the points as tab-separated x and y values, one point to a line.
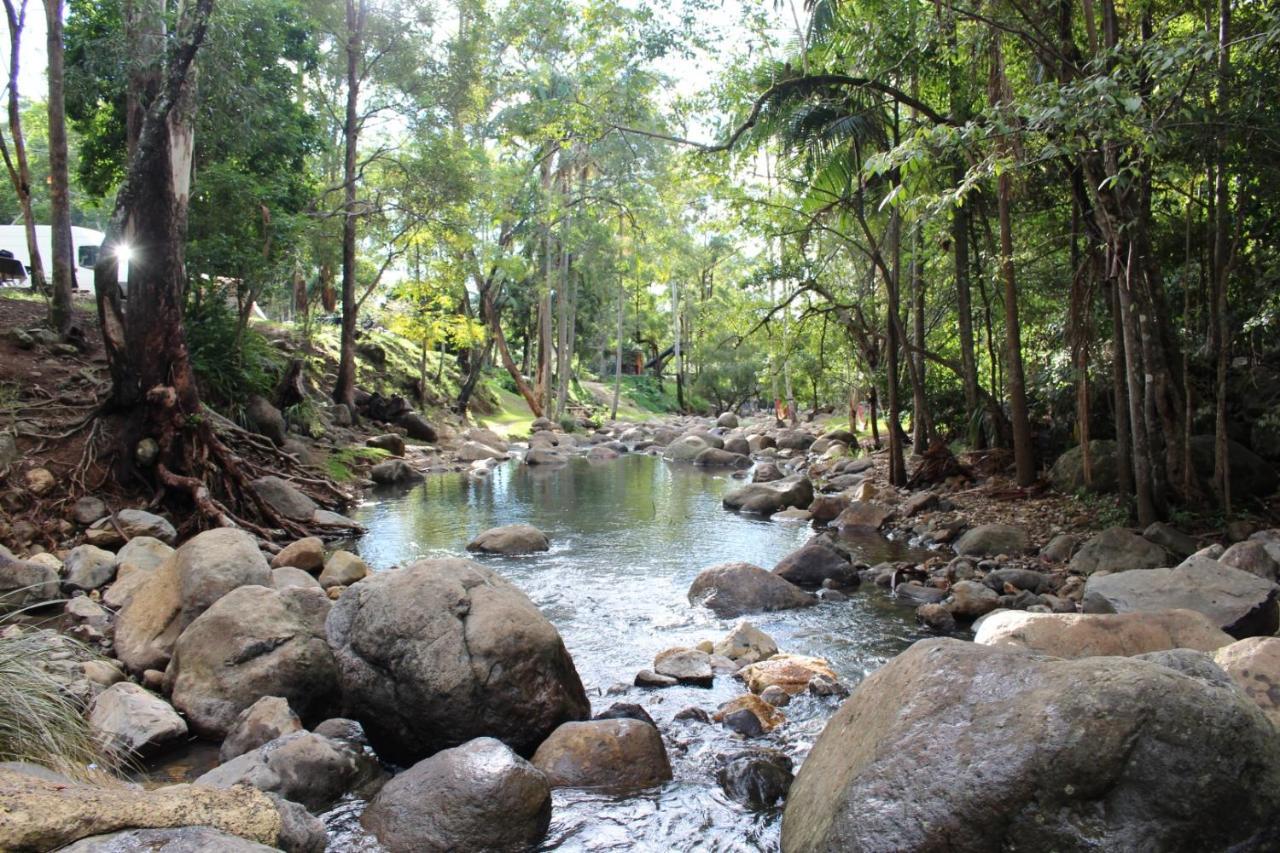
662	626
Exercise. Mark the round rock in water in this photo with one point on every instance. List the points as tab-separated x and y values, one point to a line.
444	651
478	796
616	754
511	540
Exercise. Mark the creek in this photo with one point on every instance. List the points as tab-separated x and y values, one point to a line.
628	537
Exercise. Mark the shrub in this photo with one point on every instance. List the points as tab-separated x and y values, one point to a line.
228	372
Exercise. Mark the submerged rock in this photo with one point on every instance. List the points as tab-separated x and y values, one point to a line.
1036	754
510	540
433	655
757	778
768	498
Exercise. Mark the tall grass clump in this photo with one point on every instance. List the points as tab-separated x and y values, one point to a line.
39	722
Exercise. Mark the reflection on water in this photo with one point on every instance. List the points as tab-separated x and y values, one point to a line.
628	537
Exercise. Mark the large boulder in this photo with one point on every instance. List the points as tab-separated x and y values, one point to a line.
685	448
46	812
306	768
265	419
284	497
1251	476
988	540
733	589
1067	474
182	839
141	553
789	673
306	554
1239	603
204	569
775	496
254	642
511	540
816	562
617	755
446	650
1117	550
1254	665
418	428
728	420
477	796
343	569
746	644
1077	635
391	442
1254	556
474	451
129	720
715	457
392	472
1035	754
793	439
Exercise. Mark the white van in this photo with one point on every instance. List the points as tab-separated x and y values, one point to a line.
85	243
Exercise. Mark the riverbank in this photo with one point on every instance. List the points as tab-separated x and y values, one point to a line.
586	685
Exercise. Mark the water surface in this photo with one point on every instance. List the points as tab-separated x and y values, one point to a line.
628	537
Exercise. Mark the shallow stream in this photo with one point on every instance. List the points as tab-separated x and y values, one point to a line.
628	537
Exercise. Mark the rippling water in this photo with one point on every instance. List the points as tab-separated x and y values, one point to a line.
628	537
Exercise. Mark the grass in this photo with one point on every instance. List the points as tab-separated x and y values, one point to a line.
341	464
513	416
39	723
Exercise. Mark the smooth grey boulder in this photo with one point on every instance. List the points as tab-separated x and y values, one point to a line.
715	457
1117	550
685	448
343	569
1100	753
1067	474
183	839
771	497
419	428
136	522
265	419
1171	539
1073	635
477	796
306	768
287	576
131	721
89	567
815	563
24	583
253	642
284	497
444	651
205	568
510	540
141	553
393	472
988	540
1254	556
734	589
617	755
1242	604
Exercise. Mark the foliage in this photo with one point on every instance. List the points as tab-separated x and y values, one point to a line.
230	361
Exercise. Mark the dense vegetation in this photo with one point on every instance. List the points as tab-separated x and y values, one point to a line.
1022	224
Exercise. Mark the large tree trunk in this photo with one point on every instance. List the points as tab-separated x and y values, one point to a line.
18	168
59	178
345	389
897	462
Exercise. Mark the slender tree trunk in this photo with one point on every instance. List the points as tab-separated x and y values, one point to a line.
1137	420
1023	451
617	357
1120	394
18	168
897	463
60	310
921	426
345	390
563	300
495	325
1222	252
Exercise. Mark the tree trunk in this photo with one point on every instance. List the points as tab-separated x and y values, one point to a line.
921	423
1222	251
60	310
495	325
897	463
345	389
18	168
563	301
1023	451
